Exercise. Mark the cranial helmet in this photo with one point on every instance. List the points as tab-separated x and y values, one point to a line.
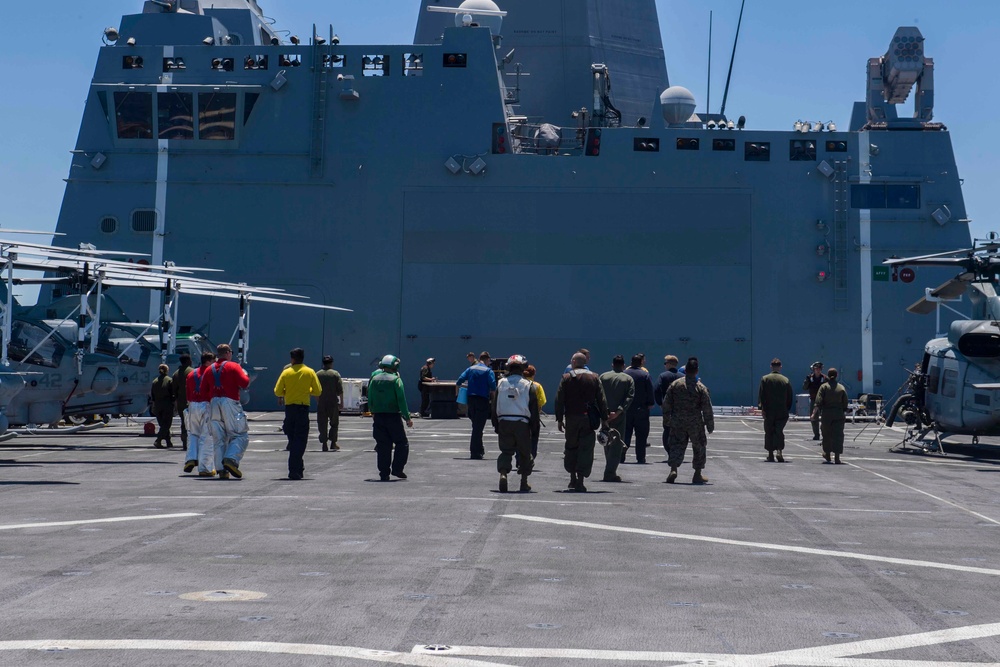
517	359
389	363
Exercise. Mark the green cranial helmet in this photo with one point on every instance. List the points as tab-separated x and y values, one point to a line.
389	363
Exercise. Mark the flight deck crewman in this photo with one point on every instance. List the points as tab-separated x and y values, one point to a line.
637	418
328	405
178	386
387	402
831	407
482	384
687	410
619	390
229	432
163	406
579	389
297	384
200	453
513	411
774	398
812	383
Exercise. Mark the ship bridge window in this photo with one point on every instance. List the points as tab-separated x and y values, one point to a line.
132	62
173	64
646	145
134	115
456	59
217	116
885	196
802	150
688	144
413	64
759	151
29	345
836	147
175	113
294	60
375	65
723	144
223	64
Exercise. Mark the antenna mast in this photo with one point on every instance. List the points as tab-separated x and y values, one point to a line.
708	104
729	76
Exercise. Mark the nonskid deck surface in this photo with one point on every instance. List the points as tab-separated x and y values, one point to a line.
111	555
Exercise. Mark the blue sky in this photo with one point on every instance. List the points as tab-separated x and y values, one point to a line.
796	60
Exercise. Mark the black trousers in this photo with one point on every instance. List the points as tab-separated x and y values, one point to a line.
425	402
164	418
387	429
296	427
637	422
479	413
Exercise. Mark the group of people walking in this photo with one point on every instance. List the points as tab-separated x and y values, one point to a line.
609	408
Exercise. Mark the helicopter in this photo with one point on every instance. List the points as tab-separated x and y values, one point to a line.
81	355
955	389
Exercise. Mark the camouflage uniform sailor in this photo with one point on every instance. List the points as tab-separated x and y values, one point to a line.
774	398
578	389
619	390
687	412
328	405
831	408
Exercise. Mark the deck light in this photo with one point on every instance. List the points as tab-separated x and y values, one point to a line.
130	41
110	34
741	122
294	39
208	41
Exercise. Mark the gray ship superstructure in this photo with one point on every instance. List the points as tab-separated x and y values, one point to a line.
460	197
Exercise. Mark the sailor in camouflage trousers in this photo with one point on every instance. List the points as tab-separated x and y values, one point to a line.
687	412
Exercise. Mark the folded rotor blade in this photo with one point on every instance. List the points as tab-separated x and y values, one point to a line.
255	298
894	261
953	288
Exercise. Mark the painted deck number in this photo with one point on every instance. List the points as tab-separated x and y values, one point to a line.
880	274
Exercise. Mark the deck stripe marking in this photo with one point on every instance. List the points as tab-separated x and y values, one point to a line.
930	495
245	647
117	519
759	545
556	502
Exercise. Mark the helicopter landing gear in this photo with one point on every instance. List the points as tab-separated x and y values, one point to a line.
916	437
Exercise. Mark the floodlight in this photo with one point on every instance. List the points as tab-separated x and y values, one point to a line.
831	126
208	41
335	40
294	39
111	34
466	20
130	41
741	122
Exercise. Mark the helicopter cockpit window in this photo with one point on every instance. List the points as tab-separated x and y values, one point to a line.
24	337
949	388
117	342
933	378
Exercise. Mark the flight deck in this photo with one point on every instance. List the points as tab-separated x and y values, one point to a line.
110	554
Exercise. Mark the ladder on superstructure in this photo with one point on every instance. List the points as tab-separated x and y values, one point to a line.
317	152
841	295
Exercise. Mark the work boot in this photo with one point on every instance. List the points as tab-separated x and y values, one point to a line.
770	457
157	444
400	474
503	482
170	445
223	475
232	468
325	448
190	465
781	459
612	478
836	459
206	474
699	478
572	481
672	476
334	447
579	485
524	484
815	437
826	455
